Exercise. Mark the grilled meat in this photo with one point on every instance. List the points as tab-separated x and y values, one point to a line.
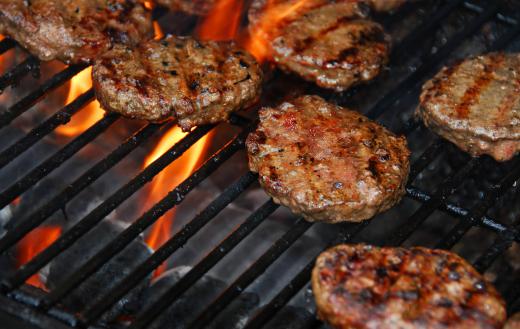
329	43
192	7
326	162
513	322
386	5
360	286
178	78
74	31
475	104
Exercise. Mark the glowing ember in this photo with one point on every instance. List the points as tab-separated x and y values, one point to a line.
157	31
168	179
34	243
89	115
223	21
263	32
148	5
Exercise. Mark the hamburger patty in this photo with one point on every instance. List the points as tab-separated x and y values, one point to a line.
74	31
193	7
329	43
475	104
386	5
513	322
178	78
360	286
326	162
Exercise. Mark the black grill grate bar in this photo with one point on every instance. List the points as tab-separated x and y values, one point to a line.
448	186
252	222
61	117
477	213
252	273
499	246
407	45
28	101
173	244
513	302
426	158
31	64
6	44
90	176
105	208
147	219
413	81
299	281
54	161
457	211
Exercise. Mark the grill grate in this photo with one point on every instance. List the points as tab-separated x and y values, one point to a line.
44	310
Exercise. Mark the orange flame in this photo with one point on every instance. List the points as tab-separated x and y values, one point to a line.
169	178
89	115
149	5
223	21
157	31
34	243
263	32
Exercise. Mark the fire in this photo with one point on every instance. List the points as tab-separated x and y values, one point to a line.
265	30
148	5
223	21
168	179
34	243
157	31
89	115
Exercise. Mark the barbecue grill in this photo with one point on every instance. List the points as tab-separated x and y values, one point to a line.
452	201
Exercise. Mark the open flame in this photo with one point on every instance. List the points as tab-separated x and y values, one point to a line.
86	117
168	179
223	21
262	33
34	243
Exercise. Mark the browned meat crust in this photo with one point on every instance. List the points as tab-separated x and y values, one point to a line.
475	104
329	43
513	322
179	78
193	7
74	31
326	162
386	5
362	287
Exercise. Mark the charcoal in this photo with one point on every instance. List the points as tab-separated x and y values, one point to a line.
107	277
186	308
291	317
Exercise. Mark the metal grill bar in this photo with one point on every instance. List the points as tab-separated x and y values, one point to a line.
61	117
31	64
413	81
100	212
447	188
151	216
253	272
203	266
173	244
6	44
28	101
53	162
501	244
300	280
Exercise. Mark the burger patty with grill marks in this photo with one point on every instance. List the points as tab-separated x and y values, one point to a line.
326	162
193	7
329	43
74	31
366	287
178	78
475	104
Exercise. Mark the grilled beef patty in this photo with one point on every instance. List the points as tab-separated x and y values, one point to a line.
362	287
386	5
74	31
178	78
326	162
475	104
192	7
329	43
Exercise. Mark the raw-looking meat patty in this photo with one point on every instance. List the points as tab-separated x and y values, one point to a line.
180	78
74	31
326	162
329	43
366	287
475	104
